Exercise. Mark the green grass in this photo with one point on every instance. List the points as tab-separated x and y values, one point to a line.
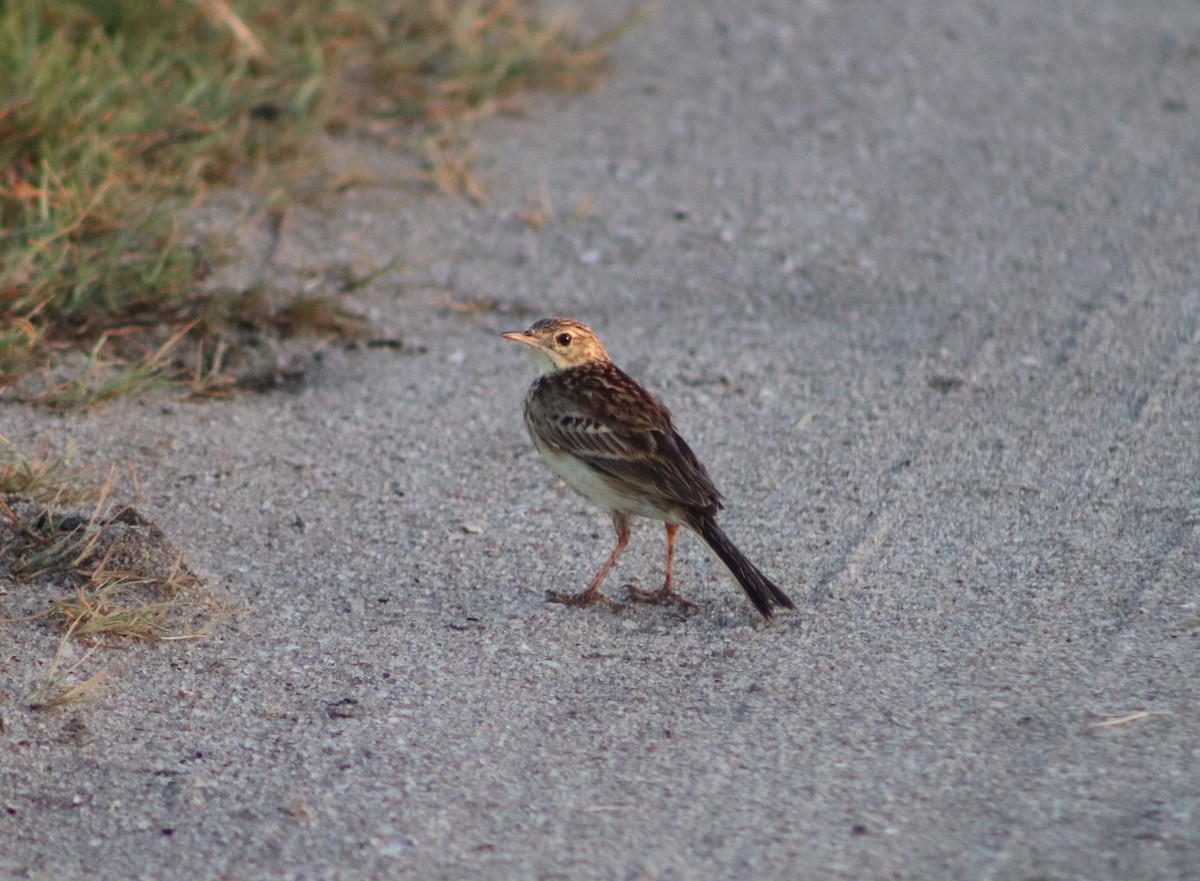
116	115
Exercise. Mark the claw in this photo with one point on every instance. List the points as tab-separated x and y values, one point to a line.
663	595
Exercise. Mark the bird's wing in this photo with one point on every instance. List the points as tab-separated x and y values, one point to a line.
626	434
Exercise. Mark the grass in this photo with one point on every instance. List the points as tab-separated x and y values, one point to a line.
63	687
45	478
125	579
1119	719
117	115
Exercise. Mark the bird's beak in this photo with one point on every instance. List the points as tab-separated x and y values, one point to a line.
521	336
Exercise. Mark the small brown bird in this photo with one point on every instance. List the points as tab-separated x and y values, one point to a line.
613	442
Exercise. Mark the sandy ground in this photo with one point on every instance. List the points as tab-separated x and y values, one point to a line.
920	282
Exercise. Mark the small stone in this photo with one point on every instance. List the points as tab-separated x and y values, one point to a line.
346	708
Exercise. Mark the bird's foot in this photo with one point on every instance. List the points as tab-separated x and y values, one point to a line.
664	595
587	598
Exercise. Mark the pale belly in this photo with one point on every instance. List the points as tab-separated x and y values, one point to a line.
599	488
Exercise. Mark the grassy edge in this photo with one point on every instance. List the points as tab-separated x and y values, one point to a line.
270	76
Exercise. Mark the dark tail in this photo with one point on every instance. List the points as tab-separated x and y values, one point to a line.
760	589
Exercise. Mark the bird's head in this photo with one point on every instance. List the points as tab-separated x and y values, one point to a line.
559	343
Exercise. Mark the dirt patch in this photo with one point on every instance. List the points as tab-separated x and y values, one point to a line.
112	574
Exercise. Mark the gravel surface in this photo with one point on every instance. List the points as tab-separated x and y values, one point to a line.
919	281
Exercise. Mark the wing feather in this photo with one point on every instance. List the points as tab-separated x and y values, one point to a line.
608	422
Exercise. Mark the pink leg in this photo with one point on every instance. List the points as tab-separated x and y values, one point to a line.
592	594
666	594
672	532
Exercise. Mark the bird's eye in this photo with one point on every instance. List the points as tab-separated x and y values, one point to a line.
563	339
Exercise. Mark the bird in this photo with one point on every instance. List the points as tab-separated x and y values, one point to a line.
616	444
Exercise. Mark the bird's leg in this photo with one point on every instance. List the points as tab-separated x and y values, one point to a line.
592	594
666	594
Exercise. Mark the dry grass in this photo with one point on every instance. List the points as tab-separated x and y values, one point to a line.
126	579
541	208
134	605
63	687
1119	719
47	478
